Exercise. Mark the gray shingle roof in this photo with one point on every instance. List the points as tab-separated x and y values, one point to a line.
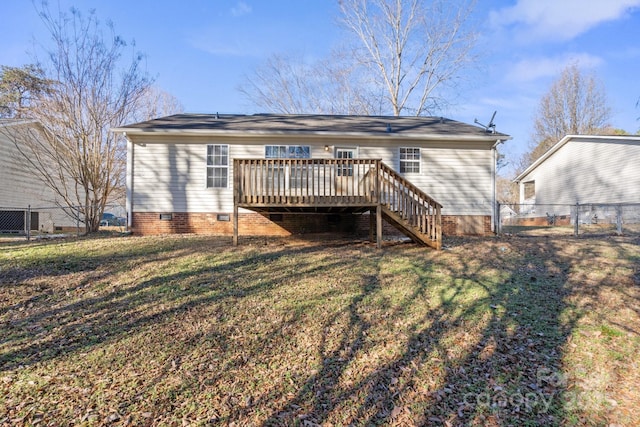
312	124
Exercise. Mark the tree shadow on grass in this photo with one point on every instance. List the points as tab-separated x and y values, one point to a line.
50	331
475	337
453	371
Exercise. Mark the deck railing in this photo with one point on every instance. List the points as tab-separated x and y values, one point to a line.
363	183
305	182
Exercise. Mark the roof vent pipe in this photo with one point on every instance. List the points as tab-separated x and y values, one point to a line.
217	115
389	127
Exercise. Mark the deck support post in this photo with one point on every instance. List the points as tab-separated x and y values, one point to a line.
237	170
372	225
379	226
235	224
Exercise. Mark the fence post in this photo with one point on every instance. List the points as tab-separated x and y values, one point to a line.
576	228
498	224
619	219
27	223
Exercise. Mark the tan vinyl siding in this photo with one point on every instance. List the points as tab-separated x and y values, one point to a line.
589	171
20	186
460	179
170	173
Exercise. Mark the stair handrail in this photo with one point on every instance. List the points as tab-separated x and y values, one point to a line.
422	212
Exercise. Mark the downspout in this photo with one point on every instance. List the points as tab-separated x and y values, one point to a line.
494	202
129	182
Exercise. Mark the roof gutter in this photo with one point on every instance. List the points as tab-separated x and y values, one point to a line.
313	134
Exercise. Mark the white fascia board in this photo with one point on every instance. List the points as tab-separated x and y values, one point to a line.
320	134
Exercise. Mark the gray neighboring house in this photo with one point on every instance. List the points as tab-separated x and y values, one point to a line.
21	188
584	169
280	174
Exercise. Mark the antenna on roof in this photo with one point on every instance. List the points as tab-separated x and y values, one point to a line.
491	127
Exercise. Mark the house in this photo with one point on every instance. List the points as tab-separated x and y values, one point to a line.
22	191
582	169
270	174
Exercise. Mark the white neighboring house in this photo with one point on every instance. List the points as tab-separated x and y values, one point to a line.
20	188
584	169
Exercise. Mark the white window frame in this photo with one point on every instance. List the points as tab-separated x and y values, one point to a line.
295	176
288	151
212	165
345	170
405	159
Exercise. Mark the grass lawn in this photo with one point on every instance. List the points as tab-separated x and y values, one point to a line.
191	331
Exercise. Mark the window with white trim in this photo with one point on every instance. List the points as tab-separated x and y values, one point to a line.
409	160
217	166
297	173
287	152
529	188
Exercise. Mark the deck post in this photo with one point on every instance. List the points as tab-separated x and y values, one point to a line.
372	225
379	225
235	224
236	197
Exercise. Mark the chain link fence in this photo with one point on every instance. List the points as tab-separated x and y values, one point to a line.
54	221
578	219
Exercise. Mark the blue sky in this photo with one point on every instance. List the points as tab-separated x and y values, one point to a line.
200	50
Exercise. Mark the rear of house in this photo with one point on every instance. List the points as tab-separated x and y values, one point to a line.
181	178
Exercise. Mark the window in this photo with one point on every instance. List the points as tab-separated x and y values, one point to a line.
299	152
529	189
275	151
409	160
345	169
287	152
297	173
217	166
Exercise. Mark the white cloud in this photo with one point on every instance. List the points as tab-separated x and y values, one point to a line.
559	20
225	41
241	8
532	69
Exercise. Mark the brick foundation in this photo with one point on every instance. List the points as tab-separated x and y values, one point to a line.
149	223
221	224
466	225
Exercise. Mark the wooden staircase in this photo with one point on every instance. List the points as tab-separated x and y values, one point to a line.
409	209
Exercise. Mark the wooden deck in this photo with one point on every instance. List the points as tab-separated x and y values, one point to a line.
337	185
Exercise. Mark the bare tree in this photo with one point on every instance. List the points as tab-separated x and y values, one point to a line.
507	191
413	49
289	85
155	102
575	104
404	55
93	89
